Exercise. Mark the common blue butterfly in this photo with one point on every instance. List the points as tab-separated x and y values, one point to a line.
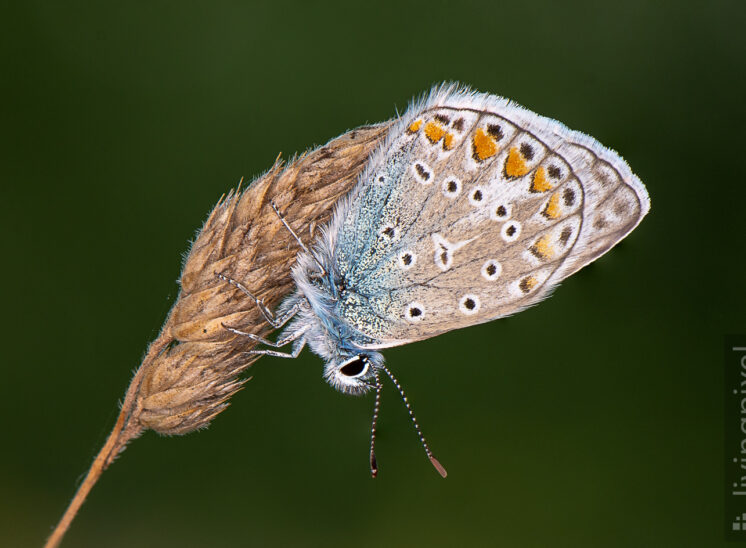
472	209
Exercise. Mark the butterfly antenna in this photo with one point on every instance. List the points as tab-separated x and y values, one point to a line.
373	462
433	460
309	252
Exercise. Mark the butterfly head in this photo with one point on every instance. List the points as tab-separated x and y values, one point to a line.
353	373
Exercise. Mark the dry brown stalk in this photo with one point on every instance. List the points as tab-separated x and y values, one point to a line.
192	369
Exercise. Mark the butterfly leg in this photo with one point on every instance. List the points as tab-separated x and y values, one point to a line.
271	320
261	340
294	354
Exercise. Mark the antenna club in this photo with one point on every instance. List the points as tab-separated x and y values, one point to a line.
439	467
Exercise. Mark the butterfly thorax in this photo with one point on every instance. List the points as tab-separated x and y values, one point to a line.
319	297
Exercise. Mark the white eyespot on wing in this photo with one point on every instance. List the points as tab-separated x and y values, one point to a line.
501	211
406	259
469	304
423	173
389	232
451	187
477	196
510	231
491	270
414	312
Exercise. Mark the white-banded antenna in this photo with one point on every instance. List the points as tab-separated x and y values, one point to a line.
439	467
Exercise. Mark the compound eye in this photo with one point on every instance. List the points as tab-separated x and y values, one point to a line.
354	367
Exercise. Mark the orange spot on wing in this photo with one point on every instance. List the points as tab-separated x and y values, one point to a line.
414	127
448	141
540	182
552	210
527	284
516	164
543	248
434	131
484	145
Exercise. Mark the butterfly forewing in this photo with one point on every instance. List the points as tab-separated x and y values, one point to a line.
473	210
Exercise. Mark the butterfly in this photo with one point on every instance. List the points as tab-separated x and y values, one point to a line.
472	209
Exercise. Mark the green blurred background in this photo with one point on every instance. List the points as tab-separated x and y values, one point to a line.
594	419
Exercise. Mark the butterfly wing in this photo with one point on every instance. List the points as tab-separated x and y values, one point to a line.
472	210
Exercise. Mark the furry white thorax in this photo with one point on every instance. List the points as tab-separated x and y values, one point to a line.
328	337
